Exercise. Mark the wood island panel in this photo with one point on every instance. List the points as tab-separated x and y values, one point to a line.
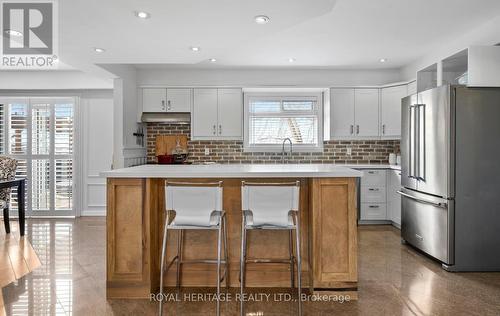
135	229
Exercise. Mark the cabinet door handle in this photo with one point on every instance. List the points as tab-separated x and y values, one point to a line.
357	129
352	129
372	172
169	107
163	105
383	129
373	206
215	130
220	129
372	189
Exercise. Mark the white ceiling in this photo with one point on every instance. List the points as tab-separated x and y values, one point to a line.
317	33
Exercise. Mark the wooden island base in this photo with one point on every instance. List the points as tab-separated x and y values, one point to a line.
135	220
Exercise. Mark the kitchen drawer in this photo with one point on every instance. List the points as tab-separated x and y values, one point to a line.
373	194
373	211
373	177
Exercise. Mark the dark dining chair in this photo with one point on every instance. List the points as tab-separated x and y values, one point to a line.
8	168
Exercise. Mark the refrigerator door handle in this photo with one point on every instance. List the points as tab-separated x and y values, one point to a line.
437	204
411	143
421	142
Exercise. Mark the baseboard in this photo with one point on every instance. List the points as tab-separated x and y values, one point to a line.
93	213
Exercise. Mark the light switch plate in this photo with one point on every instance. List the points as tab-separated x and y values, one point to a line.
349	151
207	151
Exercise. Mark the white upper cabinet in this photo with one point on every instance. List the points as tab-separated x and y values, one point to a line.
154	100
204	115
342	113
366	102
166	100
179	100
217	114
390	111
230	112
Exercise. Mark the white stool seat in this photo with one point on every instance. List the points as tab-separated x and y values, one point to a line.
196	221
271	221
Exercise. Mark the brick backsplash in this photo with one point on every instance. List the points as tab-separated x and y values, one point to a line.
228	151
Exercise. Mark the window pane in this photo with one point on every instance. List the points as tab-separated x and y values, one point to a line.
297	105
40	129
40	184
64	183
64	129
263	106
272	130
18	128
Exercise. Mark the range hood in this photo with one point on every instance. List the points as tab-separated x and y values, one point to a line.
162	117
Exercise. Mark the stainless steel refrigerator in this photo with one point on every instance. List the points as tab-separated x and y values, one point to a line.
450	151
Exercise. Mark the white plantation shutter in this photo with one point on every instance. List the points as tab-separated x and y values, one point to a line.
39	133
271	119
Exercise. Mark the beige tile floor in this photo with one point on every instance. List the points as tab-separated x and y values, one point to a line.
393	280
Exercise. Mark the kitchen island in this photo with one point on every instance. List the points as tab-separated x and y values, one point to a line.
135	217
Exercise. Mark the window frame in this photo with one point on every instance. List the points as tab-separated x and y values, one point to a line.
248	96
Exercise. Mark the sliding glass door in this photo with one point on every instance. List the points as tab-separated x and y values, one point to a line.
39	133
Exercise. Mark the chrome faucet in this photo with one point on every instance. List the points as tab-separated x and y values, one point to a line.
283	149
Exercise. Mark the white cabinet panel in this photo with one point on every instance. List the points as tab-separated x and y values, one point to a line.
341	112
230	112
375	178
373	211
204	117
393	198
390	110
366	114
154	100
371	194
179	100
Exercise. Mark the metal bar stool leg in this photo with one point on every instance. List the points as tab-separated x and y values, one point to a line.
162	265
299	262
180	235
292	259
219	247
226	259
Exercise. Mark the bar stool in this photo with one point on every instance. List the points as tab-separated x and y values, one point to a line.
273	206
194	205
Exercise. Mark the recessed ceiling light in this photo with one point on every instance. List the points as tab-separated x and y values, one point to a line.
291	60
212	60
195	48
142	14
261	19
14	33
99	50
383	60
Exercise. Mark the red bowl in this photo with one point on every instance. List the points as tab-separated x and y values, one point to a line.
165	159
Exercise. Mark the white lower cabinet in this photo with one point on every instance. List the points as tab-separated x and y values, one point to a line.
373	195
379	200
393	198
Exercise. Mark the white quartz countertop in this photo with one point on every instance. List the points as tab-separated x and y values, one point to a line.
235	171
374	166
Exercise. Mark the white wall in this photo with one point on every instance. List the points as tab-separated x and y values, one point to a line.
265	77
96	113
45	80
486	34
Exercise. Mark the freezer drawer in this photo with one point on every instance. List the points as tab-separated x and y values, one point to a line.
427	224
373	211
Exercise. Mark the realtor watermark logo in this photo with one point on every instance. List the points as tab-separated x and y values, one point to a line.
29	35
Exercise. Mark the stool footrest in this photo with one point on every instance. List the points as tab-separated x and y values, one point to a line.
287	261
